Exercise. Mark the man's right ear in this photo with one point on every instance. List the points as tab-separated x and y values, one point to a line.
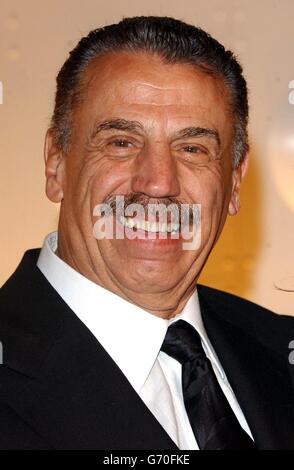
54	168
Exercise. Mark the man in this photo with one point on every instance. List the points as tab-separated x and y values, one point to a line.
107	341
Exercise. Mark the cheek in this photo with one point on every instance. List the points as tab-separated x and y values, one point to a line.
208	190
206	187
105	180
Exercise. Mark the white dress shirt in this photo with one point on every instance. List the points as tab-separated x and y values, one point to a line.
154	375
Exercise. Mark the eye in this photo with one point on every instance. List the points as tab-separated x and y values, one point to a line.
122	147
193	153
121	143
193	149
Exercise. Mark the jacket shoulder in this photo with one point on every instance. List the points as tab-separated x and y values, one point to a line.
269	327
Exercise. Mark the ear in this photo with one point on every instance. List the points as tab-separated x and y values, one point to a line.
237	177
54	168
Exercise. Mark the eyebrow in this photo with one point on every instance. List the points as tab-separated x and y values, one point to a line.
135	126
119	124
199	132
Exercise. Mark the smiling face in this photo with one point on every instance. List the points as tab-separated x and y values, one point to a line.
156	132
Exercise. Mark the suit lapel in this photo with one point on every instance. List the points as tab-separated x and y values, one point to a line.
72	393
258	378
81	400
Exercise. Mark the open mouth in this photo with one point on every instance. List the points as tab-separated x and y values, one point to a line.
157	228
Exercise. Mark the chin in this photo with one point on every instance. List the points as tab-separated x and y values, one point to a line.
150	282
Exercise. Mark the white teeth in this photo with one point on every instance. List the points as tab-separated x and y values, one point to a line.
144	225
149	226
174	228
164	227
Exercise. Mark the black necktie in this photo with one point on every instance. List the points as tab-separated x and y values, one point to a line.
214	424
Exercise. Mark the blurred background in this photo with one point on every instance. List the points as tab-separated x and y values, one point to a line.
255	256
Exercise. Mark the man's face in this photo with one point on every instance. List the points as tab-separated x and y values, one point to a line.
130	138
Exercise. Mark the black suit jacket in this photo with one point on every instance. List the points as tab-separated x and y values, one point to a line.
59	389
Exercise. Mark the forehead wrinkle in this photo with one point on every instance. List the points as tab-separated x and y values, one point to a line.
153	94
155	87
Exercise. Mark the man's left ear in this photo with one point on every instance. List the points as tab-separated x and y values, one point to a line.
54	168
237	176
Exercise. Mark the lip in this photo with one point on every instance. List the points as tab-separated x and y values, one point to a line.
146	238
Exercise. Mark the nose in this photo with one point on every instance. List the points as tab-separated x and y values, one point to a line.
155	172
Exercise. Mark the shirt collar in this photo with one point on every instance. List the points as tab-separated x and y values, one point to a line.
131	335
